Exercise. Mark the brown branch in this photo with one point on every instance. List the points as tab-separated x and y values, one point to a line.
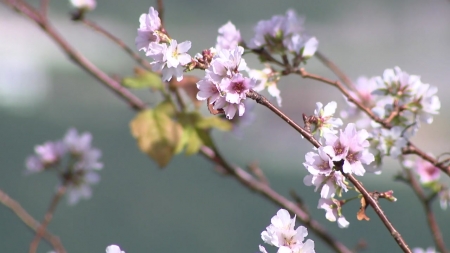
264	101
119	42
412	149
160	8
253	184
426	203
44	8
29	221
75	56
47	218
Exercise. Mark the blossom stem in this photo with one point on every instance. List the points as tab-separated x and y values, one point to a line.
28	220
47	218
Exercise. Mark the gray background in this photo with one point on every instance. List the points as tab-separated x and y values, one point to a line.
189	207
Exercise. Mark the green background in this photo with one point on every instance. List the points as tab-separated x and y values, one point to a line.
189	207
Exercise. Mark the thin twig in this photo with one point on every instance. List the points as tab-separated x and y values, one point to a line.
264	101
29	221
119	42
47	218
160	7
337	71
426	203
412	149
44	8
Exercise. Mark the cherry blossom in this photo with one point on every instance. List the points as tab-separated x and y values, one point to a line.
281	233
333	211
352	147
325	123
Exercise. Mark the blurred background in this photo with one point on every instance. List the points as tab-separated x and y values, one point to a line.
188	206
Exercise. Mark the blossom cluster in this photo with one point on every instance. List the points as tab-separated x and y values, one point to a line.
350	151
224	85
282	34
281	234
169	56
398	98
75	161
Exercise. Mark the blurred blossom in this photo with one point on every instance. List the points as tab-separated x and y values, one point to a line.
76	157
149	24
391	141
428	250
444	198
266	78
426	171
47	155
229	37
79	186
114	249
364	86
84	4
284	33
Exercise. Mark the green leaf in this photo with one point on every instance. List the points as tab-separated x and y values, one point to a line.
157	135
214	122
166	107
194	142
143	79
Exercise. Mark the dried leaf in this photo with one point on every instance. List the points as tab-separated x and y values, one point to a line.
157	135
361	215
